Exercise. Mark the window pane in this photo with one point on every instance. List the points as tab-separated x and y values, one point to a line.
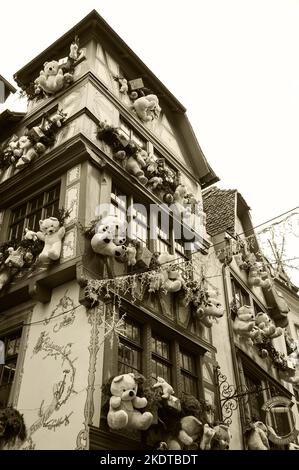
129	358
131	331
7	371
189	384
160	347
160	369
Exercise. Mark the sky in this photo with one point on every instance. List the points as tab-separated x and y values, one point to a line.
234	64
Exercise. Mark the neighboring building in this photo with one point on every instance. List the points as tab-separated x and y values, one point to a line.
244	364
102	131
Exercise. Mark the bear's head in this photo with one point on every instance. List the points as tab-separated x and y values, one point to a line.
124	386
24	142
222	436
245	313
15	258
51	68
262	320
112	225
49	226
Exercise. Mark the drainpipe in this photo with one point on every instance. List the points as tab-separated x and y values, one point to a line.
232	343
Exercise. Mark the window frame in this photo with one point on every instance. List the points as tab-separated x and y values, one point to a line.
29	212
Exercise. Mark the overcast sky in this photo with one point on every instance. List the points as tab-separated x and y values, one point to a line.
234	64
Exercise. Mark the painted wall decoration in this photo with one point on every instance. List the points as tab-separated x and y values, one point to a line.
95	319
62	389
56	75
21	151
65	310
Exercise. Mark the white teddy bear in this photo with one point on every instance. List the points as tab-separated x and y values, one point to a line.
51	234
147	108
124	405
167	389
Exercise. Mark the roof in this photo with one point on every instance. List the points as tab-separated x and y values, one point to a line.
8	87
8	120
94	26
220	208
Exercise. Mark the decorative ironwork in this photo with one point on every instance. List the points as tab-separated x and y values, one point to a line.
231	396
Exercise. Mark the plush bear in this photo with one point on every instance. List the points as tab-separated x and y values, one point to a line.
123	85
52	79
124	405
221	437
103	244
258	437
289	375
174	282
113	225
264	323
154	182
207	436
147	108
131	255
135	165
51	233
15	258
58	118
151	163
244	322
180	201
28	151
167	389
207	313
30	235
13	150
190	430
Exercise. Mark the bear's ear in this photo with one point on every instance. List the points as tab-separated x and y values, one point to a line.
131	375
118	378
41	224
46	63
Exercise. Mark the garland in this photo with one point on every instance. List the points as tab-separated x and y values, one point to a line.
21	151
150	171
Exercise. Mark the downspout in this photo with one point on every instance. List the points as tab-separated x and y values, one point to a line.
233	348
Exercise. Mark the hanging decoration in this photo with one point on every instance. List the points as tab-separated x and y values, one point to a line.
21	151
149	170
145	104
20	257
257	436
166	276
56	75
12	427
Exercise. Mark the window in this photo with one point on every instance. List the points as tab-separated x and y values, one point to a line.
281	421
240	295
143	350
296	394
29	214
163	235
129	349
131	211
130	134
188	373
255	400
7	370
139	229
119	202
161	365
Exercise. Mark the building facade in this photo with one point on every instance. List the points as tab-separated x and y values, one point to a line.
102	141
